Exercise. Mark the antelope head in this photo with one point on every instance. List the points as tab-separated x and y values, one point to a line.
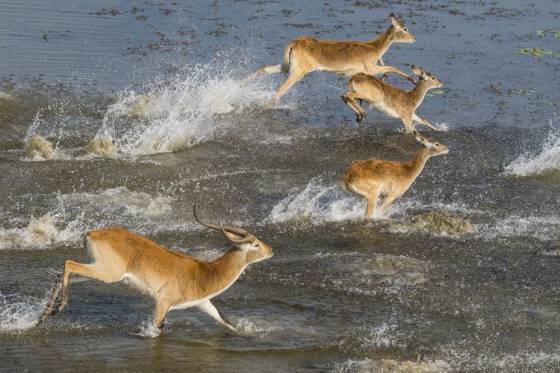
428	78
401	32
254	249
432	147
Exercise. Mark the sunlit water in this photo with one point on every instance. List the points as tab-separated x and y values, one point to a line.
119	113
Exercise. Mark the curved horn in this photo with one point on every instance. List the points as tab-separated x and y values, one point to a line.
247	237
207	225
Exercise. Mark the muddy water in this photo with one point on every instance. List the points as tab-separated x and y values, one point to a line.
461	276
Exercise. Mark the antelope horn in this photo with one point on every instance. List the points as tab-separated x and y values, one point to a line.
247	237
207	225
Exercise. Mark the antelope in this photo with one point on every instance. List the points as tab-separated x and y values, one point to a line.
393	101
175	280
306	54
370	178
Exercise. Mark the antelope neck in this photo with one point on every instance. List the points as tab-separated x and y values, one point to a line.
419	91
384	41
416	164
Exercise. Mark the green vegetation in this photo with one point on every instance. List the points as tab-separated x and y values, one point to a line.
537	52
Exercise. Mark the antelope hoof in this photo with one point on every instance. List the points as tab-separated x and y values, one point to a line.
360	117
344	98
270	104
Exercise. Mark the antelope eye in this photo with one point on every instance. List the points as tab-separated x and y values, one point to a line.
437	144
405	29
256	245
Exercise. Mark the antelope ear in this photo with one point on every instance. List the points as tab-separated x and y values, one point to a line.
420	139
393	19
417	71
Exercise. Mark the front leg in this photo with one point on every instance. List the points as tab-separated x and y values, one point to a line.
388	201
376	70
423	121
380	61
208	308
162	308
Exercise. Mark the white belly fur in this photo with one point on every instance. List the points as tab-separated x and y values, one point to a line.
196	302
385	109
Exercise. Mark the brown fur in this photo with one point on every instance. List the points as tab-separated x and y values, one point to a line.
170	277
371	178
307	54
393	101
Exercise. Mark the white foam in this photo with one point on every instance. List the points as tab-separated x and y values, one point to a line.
255	326
393	366
543	228
181	114
40	233
319	204
19	312
148	330
443	127
122	199
546	160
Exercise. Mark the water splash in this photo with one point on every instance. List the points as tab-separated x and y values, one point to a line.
19	312
39	233
102	146
548	159
180	114
318	203
38	148
148	330
393	366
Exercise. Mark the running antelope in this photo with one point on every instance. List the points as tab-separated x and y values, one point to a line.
306	54
393	101
173	279
370	178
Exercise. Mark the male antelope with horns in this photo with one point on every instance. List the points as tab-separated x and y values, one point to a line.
175	280
306	54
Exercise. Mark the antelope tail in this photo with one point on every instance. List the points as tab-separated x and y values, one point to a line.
346	179
287	58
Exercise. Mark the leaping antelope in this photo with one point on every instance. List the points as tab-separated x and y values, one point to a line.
306	54
370	178
173	279
393	101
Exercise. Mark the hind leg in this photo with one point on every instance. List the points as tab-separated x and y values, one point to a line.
372	198
350	100
51	309
265	70
87	270
388	201
295	76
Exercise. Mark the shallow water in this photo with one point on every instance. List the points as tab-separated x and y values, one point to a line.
461	276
